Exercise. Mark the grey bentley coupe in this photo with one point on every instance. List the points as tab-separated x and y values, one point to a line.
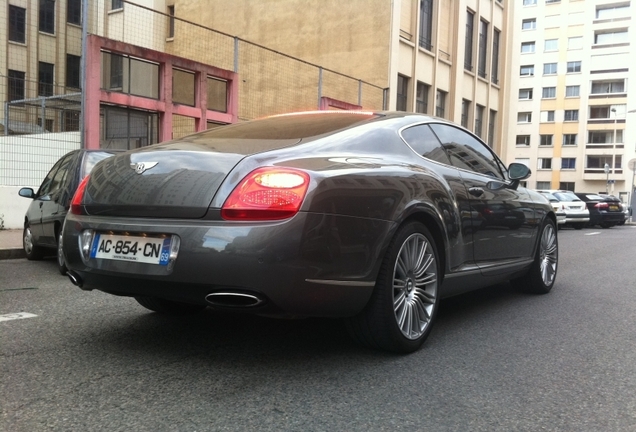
367	216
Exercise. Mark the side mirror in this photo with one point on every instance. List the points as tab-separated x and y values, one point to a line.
26	193
518	171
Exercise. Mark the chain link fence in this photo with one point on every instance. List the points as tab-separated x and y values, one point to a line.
40	79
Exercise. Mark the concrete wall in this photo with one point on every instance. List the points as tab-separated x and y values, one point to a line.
24	162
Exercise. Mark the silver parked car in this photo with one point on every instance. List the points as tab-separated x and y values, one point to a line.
576	213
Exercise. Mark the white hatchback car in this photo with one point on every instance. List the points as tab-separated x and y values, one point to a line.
576	213
557	206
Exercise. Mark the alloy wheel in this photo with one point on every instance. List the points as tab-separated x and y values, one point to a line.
415	283
548	255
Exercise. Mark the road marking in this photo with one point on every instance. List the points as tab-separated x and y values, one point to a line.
15	316
594	233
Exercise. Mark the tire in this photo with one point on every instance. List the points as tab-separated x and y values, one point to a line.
31	250
606	225
542	274
402	308
578	226
61	262
168	307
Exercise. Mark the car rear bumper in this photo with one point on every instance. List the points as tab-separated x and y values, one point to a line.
311	265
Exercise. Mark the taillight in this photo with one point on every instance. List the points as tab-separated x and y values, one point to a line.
268	193
76	202
601	205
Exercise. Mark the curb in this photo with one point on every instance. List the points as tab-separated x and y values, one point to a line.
12	254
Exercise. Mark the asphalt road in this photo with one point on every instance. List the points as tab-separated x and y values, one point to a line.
497	360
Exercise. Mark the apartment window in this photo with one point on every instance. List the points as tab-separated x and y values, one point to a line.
611	12
568	186
544	163
598	162
572	91
17	24
74	12
73	71
569	139
549	93
45	79
552	1
544	185
483	48
610	37
16	85
492	123
545	140
524	117
494	75
170	21
606	111
549	68
575	43
116	4
116	72
551	45
574	66
568	163
529	24
48	124
527	47
468	48
47	16
606	87
529	2
523	140
527	70
571	115
465	112
604	137
421	100
426	24
547	116
402	89
525	94
479	120
440	106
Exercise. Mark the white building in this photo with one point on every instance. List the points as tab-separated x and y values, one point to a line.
571	94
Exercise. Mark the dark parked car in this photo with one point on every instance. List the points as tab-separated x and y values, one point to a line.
45	216
372	217
605	210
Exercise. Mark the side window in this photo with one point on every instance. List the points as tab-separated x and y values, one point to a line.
45	187
467	152
422	139
60	174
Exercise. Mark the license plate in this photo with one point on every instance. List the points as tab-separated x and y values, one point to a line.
614	208
151	250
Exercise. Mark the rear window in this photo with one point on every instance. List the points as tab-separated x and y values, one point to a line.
566	196
593	197
285	127
550	197
91	158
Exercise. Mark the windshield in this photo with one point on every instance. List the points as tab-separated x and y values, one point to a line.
550	197
91	159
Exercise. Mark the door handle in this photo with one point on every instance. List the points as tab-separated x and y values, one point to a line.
476	191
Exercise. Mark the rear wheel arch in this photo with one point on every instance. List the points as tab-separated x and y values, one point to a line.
436	229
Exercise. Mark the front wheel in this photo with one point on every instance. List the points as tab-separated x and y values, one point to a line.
168	307
403	305
542	274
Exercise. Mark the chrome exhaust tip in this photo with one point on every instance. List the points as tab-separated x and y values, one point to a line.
234	299
75	278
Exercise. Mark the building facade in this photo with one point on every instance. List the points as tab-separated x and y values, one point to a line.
570	77
443	57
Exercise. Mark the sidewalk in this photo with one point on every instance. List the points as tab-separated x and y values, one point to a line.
11	244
